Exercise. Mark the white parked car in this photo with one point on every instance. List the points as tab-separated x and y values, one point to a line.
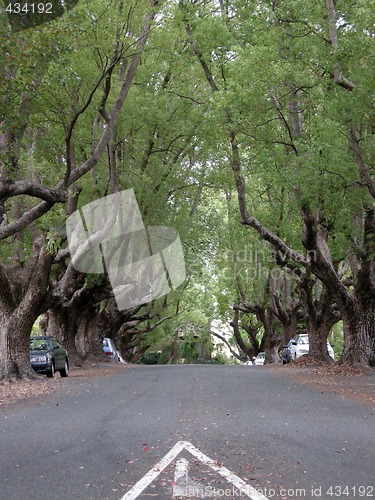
260	359
301	347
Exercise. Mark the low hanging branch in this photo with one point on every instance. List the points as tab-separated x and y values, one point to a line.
223	339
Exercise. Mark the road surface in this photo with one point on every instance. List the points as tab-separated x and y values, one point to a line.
97	438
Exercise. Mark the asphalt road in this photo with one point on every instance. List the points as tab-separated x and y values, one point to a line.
96	438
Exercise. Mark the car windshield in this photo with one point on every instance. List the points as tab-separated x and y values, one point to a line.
38	345
303	340
261	355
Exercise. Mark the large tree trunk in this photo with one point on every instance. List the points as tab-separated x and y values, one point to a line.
287	310
359	314
15	331
62	322
80	329
20	306
318	341
319	315
359	333
92	328
271	339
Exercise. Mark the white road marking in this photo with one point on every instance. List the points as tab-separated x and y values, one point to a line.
183	486
181	478
148	478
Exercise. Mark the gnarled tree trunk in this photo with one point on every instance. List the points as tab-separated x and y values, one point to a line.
359	333
62	322
20	306
320	315
15	331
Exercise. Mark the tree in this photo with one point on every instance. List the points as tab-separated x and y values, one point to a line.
300	121
24	294
355	303
275	100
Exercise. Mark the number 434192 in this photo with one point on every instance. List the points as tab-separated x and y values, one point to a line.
353	491
29	8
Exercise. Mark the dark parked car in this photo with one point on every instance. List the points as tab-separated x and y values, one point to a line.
286	356
48	356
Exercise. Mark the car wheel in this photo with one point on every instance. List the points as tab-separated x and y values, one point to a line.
65	371
51	373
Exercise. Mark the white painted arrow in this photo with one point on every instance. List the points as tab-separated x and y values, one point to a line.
181	478
181	474
182	485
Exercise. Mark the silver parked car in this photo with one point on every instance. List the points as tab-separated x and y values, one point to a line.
111	350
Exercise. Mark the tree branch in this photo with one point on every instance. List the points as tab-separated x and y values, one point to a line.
26	219
50	195
363	168
115	112
227	344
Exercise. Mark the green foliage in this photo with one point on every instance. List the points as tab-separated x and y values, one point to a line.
35	329
219	359
172	140
150	358
53	243
336	338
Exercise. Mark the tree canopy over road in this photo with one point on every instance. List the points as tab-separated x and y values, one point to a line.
247	126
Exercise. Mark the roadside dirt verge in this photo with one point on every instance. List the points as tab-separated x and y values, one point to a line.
353	383
23	389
